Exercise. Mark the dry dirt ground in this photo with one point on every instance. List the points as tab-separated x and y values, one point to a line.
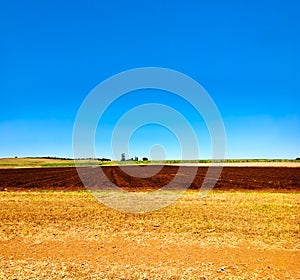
234	233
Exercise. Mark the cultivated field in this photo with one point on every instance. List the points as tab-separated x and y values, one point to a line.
66	178
248	228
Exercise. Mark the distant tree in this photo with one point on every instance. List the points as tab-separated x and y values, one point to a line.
105	159
298	158
123	158
136	158
145	159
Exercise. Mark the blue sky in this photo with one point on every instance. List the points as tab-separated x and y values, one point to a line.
244	53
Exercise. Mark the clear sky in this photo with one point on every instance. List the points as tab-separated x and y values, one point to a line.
246	54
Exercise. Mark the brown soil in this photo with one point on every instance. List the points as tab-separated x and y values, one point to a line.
67	179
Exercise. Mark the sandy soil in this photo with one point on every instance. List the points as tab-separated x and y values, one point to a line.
118	258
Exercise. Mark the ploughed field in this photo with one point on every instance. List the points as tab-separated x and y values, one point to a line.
150	178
